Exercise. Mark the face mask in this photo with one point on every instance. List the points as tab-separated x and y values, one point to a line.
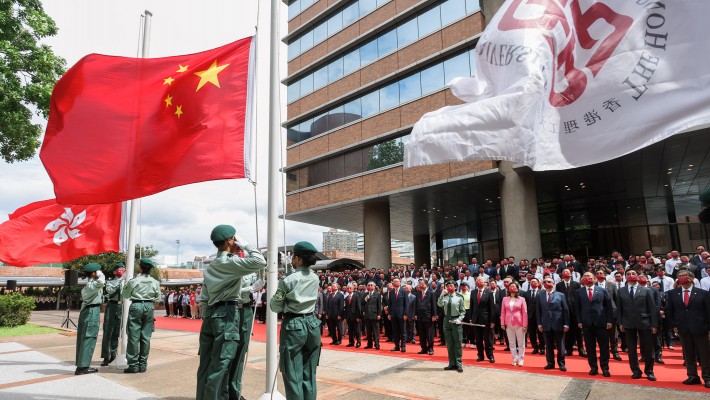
586	281
506	284
618	278
513	289
480	285
548	285
643	281
660	273
683	280
533	285
450	290
571	268
632	278
395	284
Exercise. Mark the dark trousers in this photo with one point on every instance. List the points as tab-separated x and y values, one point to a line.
410	329
353	331
483	341
554	339
594	335
399	332
696	347
334	329
534	335
645	339
614	338
440	325
426	334
573	336
372	327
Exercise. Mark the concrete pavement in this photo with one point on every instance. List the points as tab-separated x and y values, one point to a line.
341	375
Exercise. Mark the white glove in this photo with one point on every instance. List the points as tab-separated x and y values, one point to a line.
285	259
257	286
457	322
240	241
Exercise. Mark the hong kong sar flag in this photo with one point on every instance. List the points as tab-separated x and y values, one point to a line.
45	232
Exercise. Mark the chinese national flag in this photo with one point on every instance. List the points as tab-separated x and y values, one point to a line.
123	128
45	232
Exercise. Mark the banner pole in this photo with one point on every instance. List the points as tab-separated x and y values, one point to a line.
121	361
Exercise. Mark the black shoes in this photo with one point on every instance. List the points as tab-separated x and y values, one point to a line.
459	369
535	351
593	372
479	359
357	346
549	366
692	381
450	368
582	353
422	352
491	360
108	361
636	375
350	345
369	346
395	349
606	373
86	370
660	361
130	371
651	377
377	347
431	352
403	349
617	357
506	348
563	368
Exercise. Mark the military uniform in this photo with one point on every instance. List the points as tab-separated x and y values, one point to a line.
220	299
454	310
88	330
112	318
143	291
300	341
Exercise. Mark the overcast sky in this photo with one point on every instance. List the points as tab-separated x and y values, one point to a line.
190	212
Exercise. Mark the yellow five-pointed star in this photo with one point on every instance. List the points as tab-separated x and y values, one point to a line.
182	69
178	112
168	101
167	81
210	75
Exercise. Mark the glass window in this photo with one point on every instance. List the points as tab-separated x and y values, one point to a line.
320	33
381	2
306	84
294	9
293	91
353	163
319	172
429	21
432	78
456	66
472	6
306	3
351	62
367	6
452	10
335	118
305	129
336	168
353	110
335	70
407	33
410	88
389	96
291	181
387	43
335	23
350	14
320	124
320	78
294	49
293	135
370	103
306	41
368	52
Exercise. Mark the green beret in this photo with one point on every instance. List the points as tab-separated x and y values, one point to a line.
303	248
222	232
146	262
91	267
119	265
451	283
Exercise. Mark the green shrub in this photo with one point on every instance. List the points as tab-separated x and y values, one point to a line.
15	309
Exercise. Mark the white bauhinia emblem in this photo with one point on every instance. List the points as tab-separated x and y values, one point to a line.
66	226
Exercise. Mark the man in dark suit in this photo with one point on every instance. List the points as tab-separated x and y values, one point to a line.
689	313
657	300
397	314
482	312
568	287
638	319
335	307
353	312
531	302
425	313
612	289
553	321
409	323
371	309
595	315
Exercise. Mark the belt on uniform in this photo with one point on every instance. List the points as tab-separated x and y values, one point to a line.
295	315
92	305
141	301
114	302
228	302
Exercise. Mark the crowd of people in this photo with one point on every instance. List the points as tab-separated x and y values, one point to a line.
553	306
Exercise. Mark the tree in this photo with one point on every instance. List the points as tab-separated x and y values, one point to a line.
109	259
386	153
28	72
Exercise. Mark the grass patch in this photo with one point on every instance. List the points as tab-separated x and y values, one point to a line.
25	330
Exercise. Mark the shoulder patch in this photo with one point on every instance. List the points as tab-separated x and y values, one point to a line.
280	294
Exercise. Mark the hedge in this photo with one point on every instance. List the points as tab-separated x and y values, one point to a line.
15	309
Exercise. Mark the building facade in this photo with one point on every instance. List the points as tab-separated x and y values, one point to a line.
339	240
362	72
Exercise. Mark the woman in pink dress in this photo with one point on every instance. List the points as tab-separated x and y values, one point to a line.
514	319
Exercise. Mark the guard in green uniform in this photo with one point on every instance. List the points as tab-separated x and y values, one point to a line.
112	315
143	291
220	299
250	284
300	329
88	330
454	312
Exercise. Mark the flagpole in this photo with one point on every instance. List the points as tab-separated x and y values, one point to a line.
270	391
121	361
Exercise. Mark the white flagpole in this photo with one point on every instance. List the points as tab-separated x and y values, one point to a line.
270	391
121	361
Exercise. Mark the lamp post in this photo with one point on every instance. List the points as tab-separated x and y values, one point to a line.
177	254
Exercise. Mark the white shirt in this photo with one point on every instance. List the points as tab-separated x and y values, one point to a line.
171	297
670	264
666	281
484	276
705	283
576	276
635	288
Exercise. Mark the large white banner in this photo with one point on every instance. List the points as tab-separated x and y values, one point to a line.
566	83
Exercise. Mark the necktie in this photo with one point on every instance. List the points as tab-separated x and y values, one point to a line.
350	299
632	292
618	285
396	294
451	305
423	293
549	296
686	297
590	294
478	298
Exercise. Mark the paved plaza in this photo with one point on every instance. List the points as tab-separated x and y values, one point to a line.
41	367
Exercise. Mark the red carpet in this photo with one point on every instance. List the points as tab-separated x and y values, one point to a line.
669	375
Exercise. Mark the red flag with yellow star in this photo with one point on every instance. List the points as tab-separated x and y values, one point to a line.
123	128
